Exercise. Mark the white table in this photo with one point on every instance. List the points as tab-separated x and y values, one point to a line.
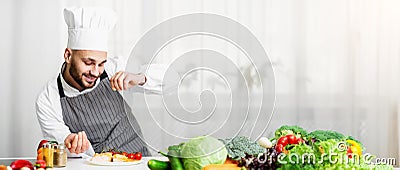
82	164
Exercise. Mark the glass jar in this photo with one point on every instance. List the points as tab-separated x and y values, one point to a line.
48	154
60	156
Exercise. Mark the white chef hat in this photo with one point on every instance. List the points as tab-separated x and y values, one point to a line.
88	28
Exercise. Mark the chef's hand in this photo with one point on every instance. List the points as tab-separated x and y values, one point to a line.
124	80
77	143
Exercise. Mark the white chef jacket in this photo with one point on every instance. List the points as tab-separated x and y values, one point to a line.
48	105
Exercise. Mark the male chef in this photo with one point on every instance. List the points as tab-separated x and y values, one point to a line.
82	106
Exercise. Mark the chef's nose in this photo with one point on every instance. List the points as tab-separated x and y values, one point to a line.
95	71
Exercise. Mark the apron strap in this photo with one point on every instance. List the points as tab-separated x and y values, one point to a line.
61	90
104	75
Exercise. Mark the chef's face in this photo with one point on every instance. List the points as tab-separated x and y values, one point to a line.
86	66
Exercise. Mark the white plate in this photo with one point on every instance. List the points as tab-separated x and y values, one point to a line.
113	163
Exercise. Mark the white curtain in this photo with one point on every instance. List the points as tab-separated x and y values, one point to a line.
337	63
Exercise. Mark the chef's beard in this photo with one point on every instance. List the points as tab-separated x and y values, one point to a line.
79	78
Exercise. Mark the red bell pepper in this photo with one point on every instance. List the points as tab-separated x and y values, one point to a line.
18	164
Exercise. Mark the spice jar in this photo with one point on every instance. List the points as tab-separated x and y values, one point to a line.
48	154
60	156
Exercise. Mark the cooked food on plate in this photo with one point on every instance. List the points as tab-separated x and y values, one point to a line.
116	156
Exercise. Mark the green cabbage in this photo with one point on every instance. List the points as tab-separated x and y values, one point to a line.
202	151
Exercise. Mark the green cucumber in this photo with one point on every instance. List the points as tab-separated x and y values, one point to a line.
154	164
175	162
173	157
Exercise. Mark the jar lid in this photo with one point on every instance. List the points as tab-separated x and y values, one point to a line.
47	145
60	147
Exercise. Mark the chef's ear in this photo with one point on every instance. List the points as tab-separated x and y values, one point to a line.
67	55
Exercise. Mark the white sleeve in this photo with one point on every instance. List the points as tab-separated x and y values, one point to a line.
156	82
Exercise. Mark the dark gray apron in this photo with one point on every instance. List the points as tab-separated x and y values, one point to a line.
103	114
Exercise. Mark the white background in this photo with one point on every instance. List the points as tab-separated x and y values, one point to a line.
337	62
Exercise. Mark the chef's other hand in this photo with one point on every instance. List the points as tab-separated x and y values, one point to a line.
124	80
77	143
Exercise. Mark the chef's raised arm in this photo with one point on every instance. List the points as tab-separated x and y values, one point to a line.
149	77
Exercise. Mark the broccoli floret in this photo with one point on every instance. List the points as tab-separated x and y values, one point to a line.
285	130
324	135
239	146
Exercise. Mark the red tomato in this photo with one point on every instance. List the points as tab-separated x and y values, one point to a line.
113	151
40	164
299	140
124	153
131	156
283	141
279	148
291	139
138	156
